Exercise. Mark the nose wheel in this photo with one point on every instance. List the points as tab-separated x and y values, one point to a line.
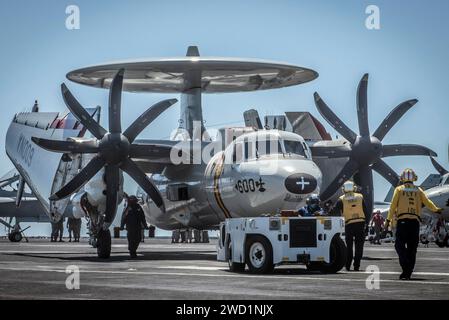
15	236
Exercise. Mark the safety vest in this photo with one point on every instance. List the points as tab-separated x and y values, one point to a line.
408	201
408	204
353	208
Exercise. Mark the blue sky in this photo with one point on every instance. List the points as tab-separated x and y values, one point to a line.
406	58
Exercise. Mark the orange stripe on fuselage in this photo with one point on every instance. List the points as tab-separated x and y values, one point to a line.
218	172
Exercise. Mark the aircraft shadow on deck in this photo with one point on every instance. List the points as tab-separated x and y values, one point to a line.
121	257
377	259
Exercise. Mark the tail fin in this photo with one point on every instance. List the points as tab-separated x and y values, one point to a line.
276	122
307	126
252	119
431	181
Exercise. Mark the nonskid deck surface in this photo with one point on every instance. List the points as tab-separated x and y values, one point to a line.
37	270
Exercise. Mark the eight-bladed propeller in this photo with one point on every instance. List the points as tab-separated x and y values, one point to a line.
438	167
365	151
113	149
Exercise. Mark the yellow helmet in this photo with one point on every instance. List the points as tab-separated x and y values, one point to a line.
349	186
408	175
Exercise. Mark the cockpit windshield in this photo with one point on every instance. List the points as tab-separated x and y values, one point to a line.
255	149
294	147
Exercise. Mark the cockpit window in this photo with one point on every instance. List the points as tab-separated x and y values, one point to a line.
268	147
255	149
294	147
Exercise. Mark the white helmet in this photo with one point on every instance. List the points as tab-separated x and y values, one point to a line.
349	186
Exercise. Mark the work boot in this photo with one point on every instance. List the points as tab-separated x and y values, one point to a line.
357	268
348	268
404	276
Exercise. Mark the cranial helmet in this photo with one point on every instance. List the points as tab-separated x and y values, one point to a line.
132	200
408	175
314	199
349	186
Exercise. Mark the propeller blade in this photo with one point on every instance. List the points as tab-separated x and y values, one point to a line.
362	106
345	174
330	151
406	150
112	179
143	181
146	118
80	179
66	146
392	118
438	167
333	120
115	102
81	114
385	171
366	184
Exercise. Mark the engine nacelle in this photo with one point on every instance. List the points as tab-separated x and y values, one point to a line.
77	211
95	189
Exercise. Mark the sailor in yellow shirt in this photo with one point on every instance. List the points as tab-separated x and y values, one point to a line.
352	207
406	204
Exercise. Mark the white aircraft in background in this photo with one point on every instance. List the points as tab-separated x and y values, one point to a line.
436	226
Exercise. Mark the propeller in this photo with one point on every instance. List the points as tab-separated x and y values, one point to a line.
365	151
438	167
113	149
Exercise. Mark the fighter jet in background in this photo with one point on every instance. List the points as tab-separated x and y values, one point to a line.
436	226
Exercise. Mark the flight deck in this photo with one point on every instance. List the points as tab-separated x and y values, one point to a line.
37	270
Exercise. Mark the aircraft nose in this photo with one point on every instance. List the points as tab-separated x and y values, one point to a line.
301	183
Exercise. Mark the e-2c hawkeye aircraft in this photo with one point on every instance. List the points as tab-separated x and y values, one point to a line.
58	163
191	180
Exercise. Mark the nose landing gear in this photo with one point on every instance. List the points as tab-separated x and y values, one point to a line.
15	232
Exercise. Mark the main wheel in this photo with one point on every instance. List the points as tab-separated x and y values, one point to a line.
423	239
234	266
440	244
15	237
104	244
337	256
259	255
